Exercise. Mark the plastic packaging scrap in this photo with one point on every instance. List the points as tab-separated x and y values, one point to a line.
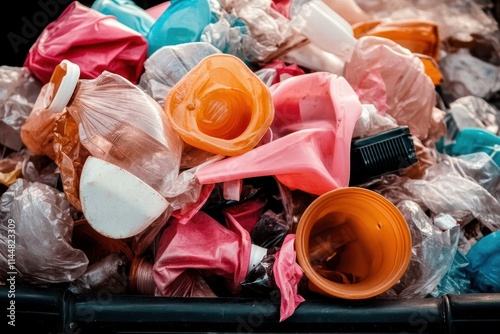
138	138
18	92
226	251
410	92
41	216
470	14
472	206
433	252
107	44
484	264
169	64
126	12
182	152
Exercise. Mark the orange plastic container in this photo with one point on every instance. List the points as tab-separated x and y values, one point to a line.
352	243
220	106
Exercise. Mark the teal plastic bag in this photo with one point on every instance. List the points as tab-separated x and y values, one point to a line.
182	22
484	258
126	12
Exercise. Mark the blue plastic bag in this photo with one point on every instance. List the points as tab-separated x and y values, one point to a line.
126	12
484	258
182	22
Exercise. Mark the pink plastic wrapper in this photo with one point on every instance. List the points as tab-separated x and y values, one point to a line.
287	274
94	41
315	115
410	92
202	243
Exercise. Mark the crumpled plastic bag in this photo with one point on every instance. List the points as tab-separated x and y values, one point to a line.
205	244
11	168
466	75
469	203
432	255
33	168
41	217
70	156
456	279
287	275
267	276
119	123
410	92
18	93
269	30
484	266
107	45
37	132
108	274
454	17
164	68
191	283
202	243
478	167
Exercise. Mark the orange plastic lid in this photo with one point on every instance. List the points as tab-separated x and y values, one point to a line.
220	106
363	237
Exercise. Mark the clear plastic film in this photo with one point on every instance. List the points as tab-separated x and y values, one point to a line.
456	279
164	68
190	283
70	156
119	123
410	92
269	30
465	74
18	93
440	192
40	215
432	255
454	17
109	274
11	168
37	132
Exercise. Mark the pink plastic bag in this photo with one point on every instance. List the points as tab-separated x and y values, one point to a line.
94	41
202	243
287	274
410	92
315	115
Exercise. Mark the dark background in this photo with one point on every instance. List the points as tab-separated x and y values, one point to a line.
24	20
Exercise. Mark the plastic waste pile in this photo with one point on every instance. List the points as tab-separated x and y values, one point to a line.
215	148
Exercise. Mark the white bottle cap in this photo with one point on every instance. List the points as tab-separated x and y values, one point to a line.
61	86
116	203
257	253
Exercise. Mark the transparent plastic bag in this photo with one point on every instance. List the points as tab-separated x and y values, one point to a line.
41	218
433	251
18	93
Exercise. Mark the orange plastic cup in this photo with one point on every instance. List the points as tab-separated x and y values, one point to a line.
220	106
352	243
